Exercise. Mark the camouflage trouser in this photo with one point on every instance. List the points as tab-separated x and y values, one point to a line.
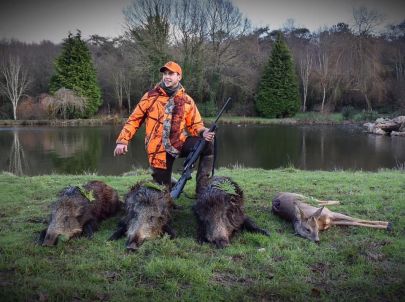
164	176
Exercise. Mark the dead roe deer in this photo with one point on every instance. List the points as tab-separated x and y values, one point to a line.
309	220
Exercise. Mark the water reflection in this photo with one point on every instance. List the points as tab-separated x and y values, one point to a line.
74	154
44	150
17	162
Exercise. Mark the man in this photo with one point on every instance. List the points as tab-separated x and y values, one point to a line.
173	127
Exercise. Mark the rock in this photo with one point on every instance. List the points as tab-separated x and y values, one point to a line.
397	133
369	127
388	126
381	120
384	126
379	131
399	119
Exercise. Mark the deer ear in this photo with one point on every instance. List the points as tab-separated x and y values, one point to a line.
318	213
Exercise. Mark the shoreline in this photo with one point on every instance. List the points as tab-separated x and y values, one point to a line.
114	120
144	172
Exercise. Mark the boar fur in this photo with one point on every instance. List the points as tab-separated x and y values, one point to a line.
219	210
79	211
148	209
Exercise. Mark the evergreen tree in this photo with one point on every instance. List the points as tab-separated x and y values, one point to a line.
74	70
278	94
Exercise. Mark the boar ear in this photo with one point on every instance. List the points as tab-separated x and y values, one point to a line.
79	211
317	214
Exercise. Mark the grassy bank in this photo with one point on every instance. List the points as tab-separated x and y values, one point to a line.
97	121
300	118
350	264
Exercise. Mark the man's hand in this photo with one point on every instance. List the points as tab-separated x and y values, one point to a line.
120	149
208	136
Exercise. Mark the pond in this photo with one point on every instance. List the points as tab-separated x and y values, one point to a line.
45	150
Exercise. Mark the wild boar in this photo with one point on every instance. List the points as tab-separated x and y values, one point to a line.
148	211
79	210
219	210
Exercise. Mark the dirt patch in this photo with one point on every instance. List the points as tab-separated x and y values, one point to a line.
279	258
372	250
112	276
238	258
6	278
229	280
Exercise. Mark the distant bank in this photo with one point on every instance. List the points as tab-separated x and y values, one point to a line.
308	118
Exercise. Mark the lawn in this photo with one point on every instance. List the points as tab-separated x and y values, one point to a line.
350	264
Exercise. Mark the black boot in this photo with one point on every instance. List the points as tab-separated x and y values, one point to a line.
203	172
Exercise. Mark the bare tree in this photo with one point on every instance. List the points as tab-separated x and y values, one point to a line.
225	23
305	72
15	81
366	68
323	71
65	101
148	23
118	78
18	161
127	90
366	21
190	32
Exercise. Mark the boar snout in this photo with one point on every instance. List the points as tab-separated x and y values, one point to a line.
50	239
221	243
134	242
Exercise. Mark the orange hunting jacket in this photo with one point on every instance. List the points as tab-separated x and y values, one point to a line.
168	123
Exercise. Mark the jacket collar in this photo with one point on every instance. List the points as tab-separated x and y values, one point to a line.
161	91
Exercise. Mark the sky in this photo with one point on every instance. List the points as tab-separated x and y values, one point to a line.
37	20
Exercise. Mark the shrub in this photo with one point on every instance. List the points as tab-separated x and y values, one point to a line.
348	112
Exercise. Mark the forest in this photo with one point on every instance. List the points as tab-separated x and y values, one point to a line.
356	66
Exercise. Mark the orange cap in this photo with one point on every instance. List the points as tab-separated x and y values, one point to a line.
172	66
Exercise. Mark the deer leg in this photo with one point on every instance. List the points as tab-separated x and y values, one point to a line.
327	202
339	216
386	225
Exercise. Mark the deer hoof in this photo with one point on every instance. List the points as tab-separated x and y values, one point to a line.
389	227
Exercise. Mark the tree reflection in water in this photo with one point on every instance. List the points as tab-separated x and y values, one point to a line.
81	152
17	160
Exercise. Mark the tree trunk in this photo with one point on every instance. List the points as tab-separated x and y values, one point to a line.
129	104
323	98
369	107
15	110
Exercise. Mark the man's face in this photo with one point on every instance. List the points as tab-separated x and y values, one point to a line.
171	79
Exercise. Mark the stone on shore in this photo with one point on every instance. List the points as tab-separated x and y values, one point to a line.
385	126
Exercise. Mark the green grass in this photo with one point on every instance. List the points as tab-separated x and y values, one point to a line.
299	118
319	117
350	264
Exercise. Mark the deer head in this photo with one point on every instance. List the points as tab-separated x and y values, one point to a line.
307	226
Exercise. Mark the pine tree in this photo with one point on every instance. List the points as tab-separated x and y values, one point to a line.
278	94
74	70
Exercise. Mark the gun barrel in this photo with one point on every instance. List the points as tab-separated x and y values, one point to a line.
222	110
